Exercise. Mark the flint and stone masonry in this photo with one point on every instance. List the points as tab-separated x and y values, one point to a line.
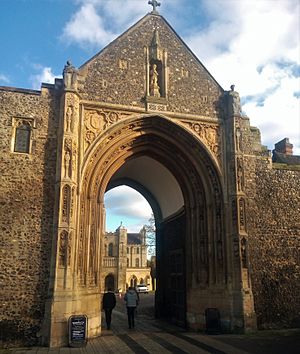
143	112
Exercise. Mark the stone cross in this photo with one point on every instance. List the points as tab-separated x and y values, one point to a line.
154	3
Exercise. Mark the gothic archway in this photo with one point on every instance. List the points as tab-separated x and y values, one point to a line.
191	245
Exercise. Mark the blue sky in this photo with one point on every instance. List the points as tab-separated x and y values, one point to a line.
254	44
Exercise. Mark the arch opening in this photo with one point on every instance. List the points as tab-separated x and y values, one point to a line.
179	178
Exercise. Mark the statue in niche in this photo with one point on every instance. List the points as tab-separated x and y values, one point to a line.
70	76
240	177
242	214
69	114
238	139
67	159
234	102
69	249
154	87
66	193
244	252
63	248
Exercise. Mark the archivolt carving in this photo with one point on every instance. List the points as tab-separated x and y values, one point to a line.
98	120
210	135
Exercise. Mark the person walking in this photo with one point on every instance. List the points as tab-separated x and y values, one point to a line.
132	300
108	304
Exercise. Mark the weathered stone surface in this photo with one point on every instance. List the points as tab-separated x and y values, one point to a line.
26	218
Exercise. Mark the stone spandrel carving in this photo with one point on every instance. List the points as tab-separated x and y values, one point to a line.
210	136
96	121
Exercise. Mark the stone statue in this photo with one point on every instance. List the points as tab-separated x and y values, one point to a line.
67	164
69	115
70	76
234	102
154	87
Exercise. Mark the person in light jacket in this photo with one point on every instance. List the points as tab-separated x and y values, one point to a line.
132	300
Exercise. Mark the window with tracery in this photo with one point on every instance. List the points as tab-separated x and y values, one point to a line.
22	138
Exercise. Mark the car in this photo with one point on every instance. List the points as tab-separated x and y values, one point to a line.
142	288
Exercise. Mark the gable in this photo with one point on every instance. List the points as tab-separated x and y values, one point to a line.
119	74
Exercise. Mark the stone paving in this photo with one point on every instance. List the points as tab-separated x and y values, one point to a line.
155	336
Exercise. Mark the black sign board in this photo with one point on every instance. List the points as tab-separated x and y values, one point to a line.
77	331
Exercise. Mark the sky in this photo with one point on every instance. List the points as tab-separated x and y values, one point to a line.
253	44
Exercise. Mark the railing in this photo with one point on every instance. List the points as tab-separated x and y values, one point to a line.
110	262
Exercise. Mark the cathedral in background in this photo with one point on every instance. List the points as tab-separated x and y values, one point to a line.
125	260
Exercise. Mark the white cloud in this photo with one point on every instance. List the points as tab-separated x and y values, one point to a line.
98	22
4	78
86	27
125	201
44	75
255	45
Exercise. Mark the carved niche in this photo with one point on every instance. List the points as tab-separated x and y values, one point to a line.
63	244
240	175
71	113
242	213
65	249
66	204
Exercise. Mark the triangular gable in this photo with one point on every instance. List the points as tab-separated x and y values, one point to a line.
121	72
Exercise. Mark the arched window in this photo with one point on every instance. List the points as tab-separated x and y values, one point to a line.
137	250
127	262
133	281
127	250
109	282
110	250
137	262
22	138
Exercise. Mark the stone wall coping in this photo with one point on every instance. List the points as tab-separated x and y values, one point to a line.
21	90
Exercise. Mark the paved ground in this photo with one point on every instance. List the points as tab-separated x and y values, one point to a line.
153	336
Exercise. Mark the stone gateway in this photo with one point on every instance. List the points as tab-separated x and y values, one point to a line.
143	112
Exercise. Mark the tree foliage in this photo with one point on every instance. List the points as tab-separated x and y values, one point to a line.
150	236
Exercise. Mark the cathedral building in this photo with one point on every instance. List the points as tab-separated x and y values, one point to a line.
125	260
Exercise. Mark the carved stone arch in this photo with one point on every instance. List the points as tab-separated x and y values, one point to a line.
203	239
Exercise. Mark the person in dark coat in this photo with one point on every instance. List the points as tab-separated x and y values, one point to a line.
108	304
